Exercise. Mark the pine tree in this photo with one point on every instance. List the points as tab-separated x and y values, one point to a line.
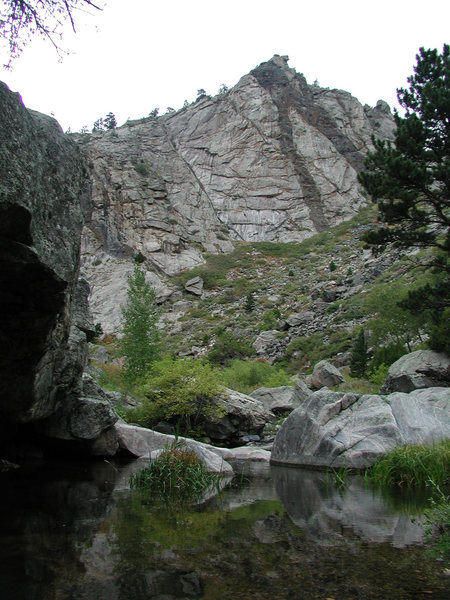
410	179
359	356
139	343
249	302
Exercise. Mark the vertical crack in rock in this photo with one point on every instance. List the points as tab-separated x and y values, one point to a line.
292	93
199	183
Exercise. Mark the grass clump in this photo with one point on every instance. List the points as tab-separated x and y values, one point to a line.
177	475
415	465
245	376
437	524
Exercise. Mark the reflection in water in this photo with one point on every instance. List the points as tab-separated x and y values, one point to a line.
330	514
72	532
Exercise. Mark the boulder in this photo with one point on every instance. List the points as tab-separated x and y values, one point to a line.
242	415
420	369
278	400
300	318
85	418
336	429
325	375
100	354
194	286
141	442
212	461
267	342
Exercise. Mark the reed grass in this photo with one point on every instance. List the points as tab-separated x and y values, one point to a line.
413	466
177	475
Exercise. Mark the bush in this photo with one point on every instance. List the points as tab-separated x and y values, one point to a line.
176	475
387	355
181	391
413	466
227	346
247	375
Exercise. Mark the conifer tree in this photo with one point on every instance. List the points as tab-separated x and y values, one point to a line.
359	356
410	179
139	343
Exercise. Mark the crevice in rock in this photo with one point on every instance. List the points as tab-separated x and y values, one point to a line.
199	183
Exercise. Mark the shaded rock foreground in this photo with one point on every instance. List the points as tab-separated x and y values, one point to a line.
336	429
45	196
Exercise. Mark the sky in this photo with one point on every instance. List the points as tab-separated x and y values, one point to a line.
137	55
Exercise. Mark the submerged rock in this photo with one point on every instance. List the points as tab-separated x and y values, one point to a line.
335	429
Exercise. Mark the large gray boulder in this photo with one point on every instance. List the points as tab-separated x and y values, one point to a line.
241	415
420	369
325	375
283	399
335	429
141	442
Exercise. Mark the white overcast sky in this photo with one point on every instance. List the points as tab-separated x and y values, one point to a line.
136	55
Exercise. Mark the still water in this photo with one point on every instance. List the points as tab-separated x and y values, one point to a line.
73	531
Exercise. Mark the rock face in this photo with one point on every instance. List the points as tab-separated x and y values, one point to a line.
44	198
416	370
333	429
272	159
44	201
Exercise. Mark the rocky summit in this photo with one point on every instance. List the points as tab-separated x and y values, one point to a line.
272	159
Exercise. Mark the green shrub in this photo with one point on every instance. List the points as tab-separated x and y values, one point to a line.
177	475
270	319
181	391
411	466
387	355
247	375
142	168
440	333
379	374
227	346
249	302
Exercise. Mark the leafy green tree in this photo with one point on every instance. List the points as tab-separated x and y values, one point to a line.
181	391
139	343
410	179
20	20
359	356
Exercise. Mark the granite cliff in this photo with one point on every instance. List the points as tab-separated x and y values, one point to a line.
272	159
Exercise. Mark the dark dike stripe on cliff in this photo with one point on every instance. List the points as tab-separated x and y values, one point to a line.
285	96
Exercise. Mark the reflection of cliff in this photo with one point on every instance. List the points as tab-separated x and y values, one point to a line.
65	536
330	515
